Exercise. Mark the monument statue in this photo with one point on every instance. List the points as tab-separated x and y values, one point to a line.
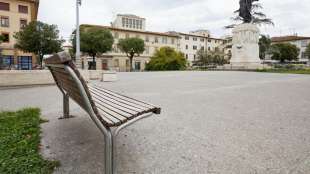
245	49
246	9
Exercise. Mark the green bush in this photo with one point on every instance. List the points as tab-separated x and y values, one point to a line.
284	52
166	59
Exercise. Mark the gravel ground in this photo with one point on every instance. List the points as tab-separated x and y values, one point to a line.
212	123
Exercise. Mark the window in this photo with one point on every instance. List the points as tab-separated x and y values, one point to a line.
304	43
194	47
186	47
4	6
6	37
137	36
116	63
133	23
194	56
156	39
127	63
164	40
5	22
202	39
126	22
116	35
194	38
25	62
209	49
8	60
186	56
23	23
147	38
123	22
186	37
303	55
23	9
130	23
147	50
137	66
127	36
203	48
209	40
172	41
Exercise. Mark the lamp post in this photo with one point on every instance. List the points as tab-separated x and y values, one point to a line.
78	53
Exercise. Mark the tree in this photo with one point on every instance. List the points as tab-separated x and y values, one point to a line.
264	46
1	38
39	38
94	41
166	59
1	59
249	13
308	51
207	58
284	52
132	47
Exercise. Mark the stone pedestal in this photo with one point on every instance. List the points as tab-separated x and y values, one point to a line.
245	50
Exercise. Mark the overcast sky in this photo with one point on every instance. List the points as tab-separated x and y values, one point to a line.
289	16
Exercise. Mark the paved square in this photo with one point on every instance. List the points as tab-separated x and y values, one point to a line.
212	123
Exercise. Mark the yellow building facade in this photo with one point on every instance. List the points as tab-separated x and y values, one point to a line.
14	16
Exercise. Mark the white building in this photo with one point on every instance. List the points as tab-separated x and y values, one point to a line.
130	22
127	26
300	41
117	60
194	41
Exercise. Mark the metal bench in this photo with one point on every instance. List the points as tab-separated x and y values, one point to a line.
110	111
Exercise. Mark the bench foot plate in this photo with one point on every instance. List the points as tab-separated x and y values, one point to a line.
67	117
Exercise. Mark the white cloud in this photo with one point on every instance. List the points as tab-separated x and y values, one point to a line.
180	15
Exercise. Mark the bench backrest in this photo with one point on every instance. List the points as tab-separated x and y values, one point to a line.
69	80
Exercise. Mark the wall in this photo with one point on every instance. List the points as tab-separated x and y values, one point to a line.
12	78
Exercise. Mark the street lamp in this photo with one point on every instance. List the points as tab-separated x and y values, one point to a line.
78	53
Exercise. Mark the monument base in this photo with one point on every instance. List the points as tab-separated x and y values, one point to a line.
244	66
245	49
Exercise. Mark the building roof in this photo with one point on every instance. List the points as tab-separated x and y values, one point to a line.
197	35
288	38
193	35
132	31
130	15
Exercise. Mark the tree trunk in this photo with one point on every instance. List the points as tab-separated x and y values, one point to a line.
93	66
41	60
130	62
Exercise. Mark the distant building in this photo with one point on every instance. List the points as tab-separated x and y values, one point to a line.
129	21
190	44
127	26
300	41
227	46
194	41
14	16
117	60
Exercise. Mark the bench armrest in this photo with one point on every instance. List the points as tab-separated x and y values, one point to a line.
59	58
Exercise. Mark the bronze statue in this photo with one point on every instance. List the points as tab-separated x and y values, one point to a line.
246	9
249	13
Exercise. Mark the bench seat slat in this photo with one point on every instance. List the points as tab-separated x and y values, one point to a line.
124	98
117	102
103	104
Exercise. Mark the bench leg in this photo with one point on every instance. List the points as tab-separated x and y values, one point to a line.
66	108
109	150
